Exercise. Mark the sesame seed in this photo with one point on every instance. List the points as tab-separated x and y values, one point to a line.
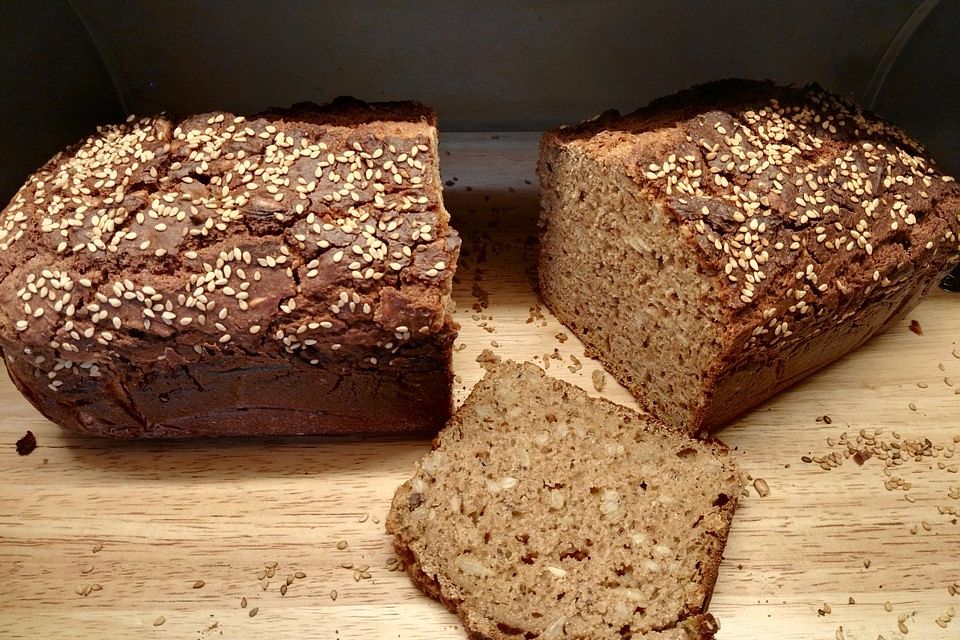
266	170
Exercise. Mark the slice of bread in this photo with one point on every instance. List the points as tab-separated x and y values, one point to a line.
544	513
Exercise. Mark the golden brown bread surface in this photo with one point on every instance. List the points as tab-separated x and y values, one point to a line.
720	244
218	275
544	513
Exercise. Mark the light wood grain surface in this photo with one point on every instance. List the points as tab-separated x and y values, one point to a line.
146	521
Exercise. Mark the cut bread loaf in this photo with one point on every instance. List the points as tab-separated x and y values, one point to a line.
287	273
719	245
544	513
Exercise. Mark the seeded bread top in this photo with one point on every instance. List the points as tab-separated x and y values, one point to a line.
315	230
800	202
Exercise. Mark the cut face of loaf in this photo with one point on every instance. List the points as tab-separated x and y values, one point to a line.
544	513
719	245
288	273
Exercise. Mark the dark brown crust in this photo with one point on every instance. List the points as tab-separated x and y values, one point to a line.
697	625
237	395
849	292
347	111
284	274
749	382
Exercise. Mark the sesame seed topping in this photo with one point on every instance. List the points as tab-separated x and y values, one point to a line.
204	180
740	171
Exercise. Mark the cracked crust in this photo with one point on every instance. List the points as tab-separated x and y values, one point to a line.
217	275
432	572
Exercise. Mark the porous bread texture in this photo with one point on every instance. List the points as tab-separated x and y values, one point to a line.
222	275
721	244
544	513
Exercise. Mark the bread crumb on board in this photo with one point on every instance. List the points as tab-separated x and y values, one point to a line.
26	444
488	359
599	379
536	316
916	328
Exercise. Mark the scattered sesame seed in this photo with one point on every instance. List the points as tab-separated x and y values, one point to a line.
762	488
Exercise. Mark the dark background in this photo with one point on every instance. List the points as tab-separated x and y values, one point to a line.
483	65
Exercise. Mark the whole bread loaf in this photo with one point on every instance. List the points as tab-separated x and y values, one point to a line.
544	513
721	244
284	274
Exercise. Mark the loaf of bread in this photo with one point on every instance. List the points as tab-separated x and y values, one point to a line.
284	274
544	513
721	244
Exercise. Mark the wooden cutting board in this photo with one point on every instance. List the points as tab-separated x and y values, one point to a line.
144	522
